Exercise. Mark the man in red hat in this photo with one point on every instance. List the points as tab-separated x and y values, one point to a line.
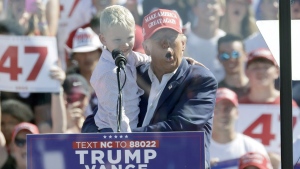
227	145
178	96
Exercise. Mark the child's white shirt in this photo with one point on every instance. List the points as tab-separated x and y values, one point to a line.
104	81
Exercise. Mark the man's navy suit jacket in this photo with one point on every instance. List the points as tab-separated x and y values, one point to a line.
186	104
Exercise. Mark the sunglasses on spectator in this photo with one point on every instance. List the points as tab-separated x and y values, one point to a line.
20	142
225	56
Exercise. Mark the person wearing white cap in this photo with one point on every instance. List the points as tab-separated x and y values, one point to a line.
86	51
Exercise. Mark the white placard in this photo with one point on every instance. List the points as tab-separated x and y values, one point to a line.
25	63
262	122
270	32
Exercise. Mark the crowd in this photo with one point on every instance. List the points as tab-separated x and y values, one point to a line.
238	69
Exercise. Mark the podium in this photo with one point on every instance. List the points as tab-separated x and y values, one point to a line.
161	150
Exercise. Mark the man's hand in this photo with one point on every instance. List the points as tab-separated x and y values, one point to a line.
194	62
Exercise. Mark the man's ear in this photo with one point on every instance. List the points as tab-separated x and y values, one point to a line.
102	39
147	51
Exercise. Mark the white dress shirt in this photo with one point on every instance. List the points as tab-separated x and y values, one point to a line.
155	93
104	81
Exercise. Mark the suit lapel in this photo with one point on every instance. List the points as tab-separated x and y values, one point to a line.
173	83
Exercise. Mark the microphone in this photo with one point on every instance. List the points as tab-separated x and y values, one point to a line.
119	58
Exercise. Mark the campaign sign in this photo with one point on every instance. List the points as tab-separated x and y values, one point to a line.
262	122
167	150
25	63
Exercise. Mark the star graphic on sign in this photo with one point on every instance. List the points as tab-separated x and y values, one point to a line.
116	136
110	136
104	136
121	136
126	136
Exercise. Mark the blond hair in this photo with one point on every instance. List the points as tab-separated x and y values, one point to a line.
116	15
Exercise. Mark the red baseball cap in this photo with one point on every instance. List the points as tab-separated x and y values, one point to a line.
159	19
254	159
261	53
227	94
25	126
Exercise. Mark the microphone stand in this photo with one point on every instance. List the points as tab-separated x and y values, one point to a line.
119	104
119	107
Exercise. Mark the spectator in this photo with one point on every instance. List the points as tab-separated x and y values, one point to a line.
254	160
262	70
180	6
35	20
295	9
13	112
265	10
233	57
77	96
238	18
204	33
19	146
86	52
74	14
227	144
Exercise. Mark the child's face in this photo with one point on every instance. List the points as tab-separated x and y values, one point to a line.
117	37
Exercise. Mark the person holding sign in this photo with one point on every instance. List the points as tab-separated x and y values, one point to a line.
227	145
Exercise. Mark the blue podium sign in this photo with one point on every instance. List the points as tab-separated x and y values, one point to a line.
166	150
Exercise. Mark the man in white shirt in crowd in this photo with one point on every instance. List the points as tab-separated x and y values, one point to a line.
227	145
204	33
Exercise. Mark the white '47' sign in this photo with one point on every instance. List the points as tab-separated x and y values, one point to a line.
25	64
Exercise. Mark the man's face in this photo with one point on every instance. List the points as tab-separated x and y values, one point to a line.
117	37
225	115
269	9
19	148
87	61
18	8
166	48
8	123
232	56
208	10
262	73
237	9
295	10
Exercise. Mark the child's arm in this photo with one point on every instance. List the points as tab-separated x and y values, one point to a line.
141	58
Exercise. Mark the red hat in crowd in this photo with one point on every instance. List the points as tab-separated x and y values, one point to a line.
254	159
227	94
159	19
261	54
25	126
